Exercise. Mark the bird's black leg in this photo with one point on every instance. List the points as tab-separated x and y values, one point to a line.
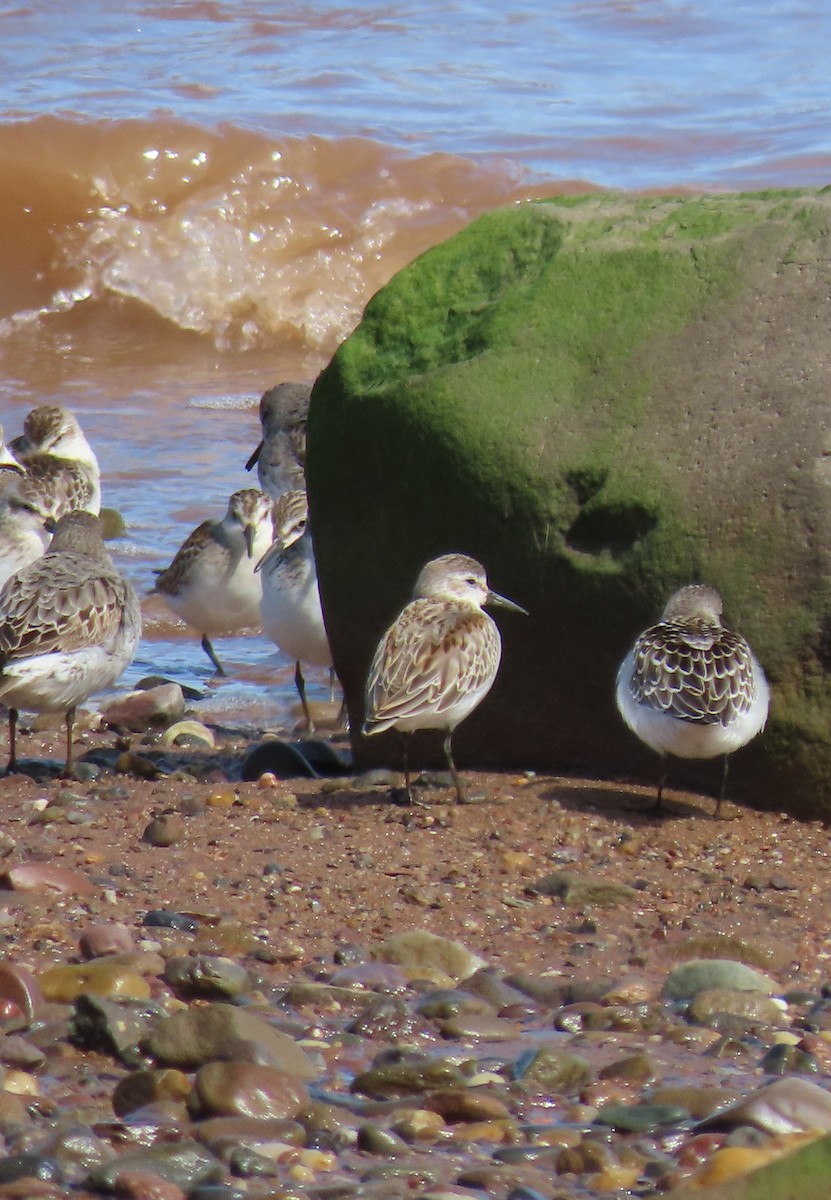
662	780
448	754
405	751
209	650
70	721
721	794
11	766
300	684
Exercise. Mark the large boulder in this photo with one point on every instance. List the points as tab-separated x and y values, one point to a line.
600	398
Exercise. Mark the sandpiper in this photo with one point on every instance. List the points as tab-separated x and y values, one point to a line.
211	583
24	535
691	688
281	454
439	658
10	467
69	625
290	607
60	470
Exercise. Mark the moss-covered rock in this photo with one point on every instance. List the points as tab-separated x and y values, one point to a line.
600	398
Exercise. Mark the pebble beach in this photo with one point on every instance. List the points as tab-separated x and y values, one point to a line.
298	987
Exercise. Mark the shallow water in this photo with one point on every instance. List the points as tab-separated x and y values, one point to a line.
199	198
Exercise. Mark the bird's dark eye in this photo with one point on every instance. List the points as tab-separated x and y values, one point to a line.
471	580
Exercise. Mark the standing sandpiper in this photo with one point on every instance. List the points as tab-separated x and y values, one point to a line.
290	607
438	659
281	455
69	626
691	688
211	583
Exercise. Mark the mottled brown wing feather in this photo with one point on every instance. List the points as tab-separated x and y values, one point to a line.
428	660
55	603
55	486
693	671
169	579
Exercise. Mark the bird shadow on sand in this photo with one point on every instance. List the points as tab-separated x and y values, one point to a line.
629	802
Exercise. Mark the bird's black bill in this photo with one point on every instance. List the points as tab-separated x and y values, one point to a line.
254	458
503	602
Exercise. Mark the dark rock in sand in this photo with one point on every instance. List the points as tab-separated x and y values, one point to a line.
284	759
113	1027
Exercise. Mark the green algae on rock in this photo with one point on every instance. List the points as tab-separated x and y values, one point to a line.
600	398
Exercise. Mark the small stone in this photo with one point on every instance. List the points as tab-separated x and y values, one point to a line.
640	1067
16	1051
248	1090
141	710
165	830
418	948
377	976
141	1088
102	938
585	890
147	1185
782	1059
697	975
164	919
184	1163
192	733
46	878
466	1104
115	1027
641	1118
221	798
383	1142
553	1069
137	765
30	1166
385	1018
207	975
766	953
216	1031
20	986
700	1102
393	1080
419	1125
14	1113
66	981
749	1005
789	1105
479	1027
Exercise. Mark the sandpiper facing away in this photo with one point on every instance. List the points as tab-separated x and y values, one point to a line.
438	659
60	471
281	455
211	583
69	625
690	687
290	607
